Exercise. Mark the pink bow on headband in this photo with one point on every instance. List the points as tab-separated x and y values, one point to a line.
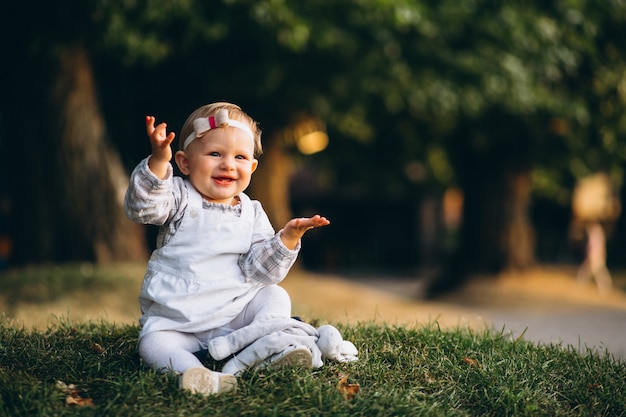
219	119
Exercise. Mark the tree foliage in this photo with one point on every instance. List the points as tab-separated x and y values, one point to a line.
416	94
411	70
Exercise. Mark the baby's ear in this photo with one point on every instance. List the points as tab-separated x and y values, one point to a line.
182	161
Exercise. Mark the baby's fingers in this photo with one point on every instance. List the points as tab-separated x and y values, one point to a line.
156	133
150	125
315	221
160	136
320	220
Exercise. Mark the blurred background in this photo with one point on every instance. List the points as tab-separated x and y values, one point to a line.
443	139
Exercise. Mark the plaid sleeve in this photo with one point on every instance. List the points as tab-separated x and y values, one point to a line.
268	260
149	200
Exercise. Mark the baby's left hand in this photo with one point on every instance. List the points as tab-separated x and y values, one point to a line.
296	228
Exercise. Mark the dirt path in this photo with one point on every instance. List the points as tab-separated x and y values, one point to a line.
340	300
545	305
394	300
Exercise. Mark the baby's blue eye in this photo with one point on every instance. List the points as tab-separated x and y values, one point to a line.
214	154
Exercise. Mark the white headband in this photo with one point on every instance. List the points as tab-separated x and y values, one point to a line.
220	119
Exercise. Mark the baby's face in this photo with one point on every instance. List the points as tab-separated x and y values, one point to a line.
221	163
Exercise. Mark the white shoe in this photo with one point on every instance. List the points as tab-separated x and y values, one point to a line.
294	356
204	381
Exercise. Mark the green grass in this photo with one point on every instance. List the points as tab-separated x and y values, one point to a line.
36	294
401	372
46	283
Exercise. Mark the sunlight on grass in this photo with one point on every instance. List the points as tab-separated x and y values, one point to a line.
36	295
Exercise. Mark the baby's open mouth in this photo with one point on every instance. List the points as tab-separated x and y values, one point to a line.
223	180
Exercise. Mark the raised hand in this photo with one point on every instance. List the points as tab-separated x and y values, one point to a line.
296	228
160	142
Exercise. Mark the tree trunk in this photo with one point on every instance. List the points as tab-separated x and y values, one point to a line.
71	204
496	232
518	238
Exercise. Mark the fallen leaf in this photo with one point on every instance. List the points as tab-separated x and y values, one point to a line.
73	398
472	362
96	348
348	391
64	387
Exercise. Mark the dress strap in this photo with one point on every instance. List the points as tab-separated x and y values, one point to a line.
194	197
247	210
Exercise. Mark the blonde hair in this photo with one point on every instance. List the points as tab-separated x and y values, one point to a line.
234	112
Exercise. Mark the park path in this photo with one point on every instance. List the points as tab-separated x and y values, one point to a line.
545	304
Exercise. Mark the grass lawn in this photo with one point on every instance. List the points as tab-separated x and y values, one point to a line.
93	370
90	366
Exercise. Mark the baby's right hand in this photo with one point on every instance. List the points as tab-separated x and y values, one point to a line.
160	140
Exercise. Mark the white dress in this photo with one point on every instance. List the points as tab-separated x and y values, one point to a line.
194	282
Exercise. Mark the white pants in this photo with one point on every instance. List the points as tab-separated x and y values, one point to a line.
170	350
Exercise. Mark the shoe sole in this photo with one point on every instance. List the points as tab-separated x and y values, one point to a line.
206	382
298	357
